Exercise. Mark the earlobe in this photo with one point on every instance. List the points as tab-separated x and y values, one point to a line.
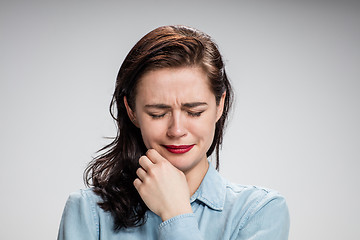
130	112
220	107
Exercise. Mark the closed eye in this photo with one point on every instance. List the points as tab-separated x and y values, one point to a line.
157	116
195	114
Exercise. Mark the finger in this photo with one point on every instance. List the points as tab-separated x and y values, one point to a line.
141	173
154	156
145	163
137	183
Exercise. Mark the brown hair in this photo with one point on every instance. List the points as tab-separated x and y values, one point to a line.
112	173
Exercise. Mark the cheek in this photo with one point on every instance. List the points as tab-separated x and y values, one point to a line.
205	129
151	132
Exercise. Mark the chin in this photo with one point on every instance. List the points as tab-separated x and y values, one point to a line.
183	163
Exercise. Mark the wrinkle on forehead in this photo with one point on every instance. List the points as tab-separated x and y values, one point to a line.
175	86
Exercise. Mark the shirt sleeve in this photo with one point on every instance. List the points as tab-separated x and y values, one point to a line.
181	227
78	221
269	220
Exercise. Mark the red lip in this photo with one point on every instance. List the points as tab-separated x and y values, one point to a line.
178	149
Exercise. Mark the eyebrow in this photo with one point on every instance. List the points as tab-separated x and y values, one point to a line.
194	104
160	106
187	105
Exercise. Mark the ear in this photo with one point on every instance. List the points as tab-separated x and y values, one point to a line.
220	107
130	113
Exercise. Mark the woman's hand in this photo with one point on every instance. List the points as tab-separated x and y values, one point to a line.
162	187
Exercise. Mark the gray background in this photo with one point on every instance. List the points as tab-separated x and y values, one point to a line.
295	127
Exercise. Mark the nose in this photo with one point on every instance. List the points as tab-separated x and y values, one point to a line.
177	126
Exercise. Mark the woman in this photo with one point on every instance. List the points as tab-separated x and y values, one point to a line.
154	181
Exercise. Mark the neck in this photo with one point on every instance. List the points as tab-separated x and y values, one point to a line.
194	178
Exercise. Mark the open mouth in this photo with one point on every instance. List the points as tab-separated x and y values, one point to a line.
178	149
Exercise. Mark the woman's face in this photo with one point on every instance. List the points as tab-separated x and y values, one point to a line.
176	112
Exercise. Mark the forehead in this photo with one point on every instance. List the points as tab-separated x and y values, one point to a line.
170	85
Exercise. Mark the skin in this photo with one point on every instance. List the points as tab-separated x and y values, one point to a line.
173	106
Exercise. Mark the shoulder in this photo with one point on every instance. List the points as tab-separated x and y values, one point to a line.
80	216
252	198
257	206
82	195
251	194
219	193
83	201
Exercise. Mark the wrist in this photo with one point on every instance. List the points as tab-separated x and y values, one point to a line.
176	212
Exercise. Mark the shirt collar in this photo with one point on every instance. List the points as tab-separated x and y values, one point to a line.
212	190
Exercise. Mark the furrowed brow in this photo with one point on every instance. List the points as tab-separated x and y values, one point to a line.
194	104
159	106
